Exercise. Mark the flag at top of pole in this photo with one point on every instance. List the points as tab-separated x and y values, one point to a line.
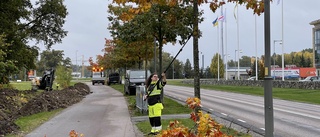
215	22
221	18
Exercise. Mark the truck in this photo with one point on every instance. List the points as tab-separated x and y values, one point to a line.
293	73
98	75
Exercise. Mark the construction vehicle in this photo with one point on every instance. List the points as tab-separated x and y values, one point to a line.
98	75
46	82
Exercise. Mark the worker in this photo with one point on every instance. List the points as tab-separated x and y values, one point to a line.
155	105
57	85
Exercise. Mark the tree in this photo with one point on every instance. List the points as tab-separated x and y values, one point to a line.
261	68
214	66
245	61
162	22
7	67
257	6
208	73
52	59
232	63
64	77
188	72
21	21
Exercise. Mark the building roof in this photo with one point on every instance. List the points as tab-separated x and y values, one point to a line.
316	22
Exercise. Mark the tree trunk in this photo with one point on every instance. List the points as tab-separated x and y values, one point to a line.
196	50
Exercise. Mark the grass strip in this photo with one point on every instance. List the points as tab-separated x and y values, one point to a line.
291	94
29	123
170	107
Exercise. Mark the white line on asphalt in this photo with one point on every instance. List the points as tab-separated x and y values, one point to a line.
241	120
211	109
262	128
275	108
224	114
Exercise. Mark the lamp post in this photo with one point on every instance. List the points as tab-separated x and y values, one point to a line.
274	62
226	57
235	54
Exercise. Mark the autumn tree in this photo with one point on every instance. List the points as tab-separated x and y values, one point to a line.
22	21
256	5
214	66
52	59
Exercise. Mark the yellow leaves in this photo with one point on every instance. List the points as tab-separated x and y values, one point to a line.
206	126
73	133
193	102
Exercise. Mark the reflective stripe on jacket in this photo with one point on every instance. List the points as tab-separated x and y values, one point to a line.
157	89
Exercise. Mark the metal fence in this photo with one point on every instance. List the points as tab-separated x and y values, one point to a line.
140	103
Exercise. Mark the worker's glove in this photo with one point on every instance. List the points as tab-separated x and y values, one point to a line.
145	97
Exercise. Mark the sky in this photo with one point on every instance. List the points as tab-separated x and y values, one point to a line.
87	25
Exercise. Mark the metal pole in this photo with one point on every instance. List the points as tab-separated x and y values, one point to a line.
155	55
282	42
77	64
268	100
218	54
282	63
235	57
173	70
225	21
255	24
274	61
238	42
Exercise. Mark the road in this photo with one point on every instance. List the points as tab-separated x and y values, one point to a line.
291	119
104	113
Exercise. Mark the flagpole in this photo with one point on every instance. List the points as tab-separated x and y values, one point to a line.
222	51
225	19
218	53
238	41
255	43
282	43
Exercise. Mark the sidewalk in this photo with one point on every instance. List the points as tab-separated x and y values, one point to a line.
104	113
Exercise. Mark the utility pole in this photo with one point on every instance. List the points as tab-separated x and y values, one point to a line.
268	100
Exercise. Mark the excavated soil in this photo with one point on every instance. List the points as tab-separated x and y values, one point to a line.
15	103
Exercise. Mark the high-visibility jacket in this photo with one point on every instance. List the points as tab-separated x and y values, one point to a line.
154	102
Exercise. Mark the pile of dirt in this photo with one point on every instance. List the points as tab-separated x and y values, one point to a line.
14	103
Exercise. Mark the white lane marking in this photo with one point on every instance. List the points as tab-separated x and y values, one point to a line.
262	128
211	109
279	109
241	120
224	114
262	106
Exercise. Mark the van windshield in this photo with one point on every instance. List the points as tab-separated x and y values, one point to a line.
138	74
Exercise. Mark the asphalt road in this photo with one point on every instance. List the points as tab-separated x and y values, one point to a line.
291	119
104	113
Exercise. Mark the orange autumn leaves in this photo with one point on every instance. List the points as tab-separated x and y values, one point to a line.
205	126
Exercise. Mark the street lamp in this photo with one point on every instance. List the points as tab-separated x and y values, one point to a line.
235	55
226	57
274	62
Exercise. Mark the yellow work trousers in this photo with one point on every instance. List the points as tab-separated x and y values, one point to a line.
155	110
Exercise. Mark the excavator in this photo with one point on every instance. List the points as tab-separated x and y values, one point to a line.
46	82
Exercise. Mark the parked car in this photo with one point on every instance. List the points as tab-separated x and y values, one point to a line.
311	78
134	78
252	78
114	78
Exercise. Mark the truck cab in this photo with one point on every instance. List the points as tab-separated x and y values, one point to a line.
98	75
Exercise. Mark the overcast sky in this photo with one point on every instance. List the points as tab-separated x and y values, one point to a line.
87	24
